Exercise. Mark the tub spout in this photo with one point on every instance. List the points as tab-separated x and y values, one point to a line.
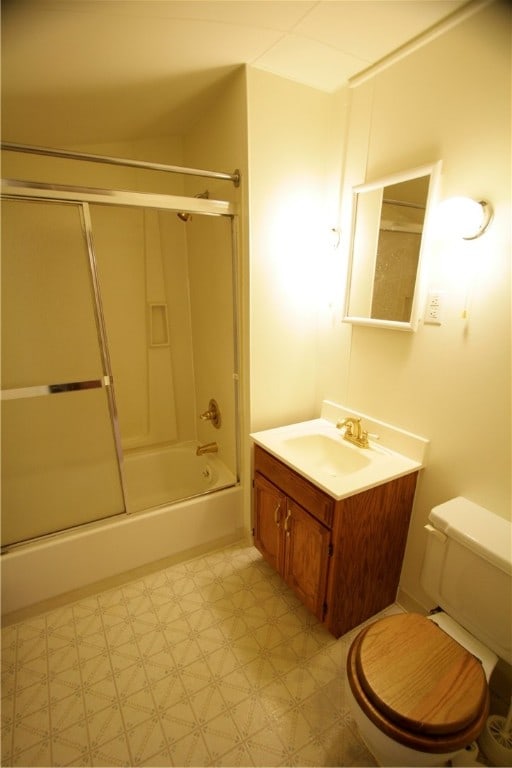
207	448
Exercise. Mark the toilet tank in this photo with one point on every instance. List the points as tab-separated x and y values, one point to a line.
467	570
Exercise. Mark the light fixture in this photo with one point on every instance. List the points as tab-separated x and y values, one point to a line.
465	217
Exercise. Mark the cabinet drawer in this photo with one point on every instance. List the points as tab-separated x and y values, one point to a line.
317	503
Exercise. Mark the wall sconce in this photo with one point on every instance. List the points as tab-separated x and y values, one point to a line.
464	217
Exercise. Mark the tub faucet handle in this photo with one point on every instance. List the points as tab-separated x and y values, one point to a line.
212	414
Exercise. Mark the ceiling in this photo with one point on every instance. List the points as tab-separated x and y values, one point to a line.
86	71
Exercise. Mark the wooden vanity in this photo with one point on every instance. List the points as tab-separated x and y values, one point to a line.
342	558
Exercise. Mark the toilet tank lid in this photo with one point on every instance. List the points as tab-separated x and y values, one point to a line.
476	528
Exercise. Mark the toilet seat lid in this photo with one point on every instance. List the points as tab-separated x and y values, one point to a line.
449	687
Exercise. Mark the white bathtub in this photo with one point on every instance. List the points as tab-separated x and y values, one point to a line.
159	476
75	559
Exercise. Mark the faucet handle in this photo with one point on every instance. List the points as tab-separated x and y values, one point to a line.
363	439
212	414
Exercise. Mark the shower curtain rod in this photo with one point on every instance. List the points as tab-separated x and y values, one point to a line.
12	147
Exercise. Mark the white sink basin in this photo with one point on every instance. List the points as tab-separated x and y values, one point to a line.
318	451
328	454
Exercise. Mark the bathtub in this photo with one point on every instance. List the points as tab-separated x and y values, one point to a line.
158	476
75	559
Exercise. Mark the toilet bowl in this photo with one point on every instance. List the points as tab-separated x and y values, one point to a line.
417	695
418	686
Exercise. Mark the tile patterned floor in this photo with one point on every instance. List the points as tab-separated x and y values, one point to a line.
209	662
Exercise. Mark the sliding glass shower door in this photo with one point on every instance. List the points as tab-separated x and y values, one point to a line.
59	454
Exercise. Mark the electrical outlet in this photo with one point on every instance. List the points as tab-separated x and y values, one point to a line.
433	309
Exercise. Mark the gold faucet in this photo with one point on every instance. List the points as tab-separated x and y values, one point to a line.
207	448
354	432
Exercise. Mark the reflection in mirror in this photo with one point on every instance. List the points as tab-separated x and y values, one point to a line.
387	241
398	249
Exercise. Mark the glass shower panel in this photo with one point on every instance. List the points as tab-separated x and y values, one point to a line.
59	460
168	295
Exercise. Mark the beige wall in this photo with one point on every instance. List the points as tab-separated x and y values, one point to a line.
449	100
295	140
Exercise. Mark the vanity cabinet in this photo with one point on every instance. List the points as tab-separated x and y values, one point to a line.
301	558
341	558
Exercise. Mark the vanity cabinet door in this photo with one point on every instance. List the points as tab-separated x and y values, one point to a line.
269	517
306	557
293	542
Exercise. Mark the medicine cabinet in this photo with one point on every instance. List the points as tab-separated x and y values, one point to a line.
388	244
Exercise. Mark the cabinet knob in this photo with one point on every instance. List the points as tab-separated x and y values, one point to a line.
277	516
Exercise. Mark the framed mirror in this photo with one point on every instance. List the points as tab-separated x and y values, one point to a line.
388	239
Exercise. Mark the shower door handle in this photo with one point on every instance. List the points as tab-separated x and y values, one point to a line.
41	390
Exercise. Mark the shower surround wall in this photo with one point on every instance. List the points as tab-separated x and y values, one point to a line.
131	269
212	317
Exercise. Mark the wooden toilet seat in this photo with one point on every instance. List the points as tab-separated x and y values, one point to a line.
417	684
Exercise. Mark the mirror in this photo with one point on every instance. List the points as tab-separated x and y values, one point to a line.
389	232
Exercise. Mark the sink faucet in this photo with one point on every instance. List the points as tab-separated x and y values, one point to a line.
354	432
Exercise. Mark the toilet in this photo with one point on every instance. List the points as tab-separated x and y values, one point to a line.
418	686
